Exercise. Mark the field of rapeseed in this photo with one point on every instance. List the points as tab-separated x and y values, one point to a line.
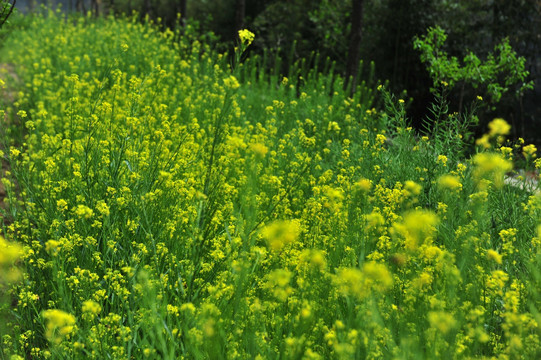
167	202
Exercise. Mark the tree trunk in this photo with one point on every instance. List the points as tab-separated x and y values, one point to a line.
147	9
240	12
182	10
95	6
80	6
354	51
170	18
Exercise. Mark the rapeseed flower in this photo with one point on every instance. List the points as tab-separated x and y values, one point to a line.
246	37
92	307
350	281
278	283
491	166
9	254
281	233
84	211
378	275
442	321
314	258
231	82
417	227
360	283
53	246
363	185
498	127
412	189
374	220
60	325
62	205
494	256
442	159
484	141
260	150
150	172
529	151
449	182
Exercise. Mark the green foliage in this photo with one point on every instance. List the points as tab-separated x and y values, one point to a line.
451	133
6	9
501	71
169	204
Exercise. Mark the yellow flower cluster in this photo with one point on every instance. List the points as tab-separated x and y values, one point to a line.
246	36
9	254
177	208
60	325
498	129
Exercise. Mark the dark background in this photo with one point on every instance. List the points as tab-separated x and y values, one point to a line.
388	27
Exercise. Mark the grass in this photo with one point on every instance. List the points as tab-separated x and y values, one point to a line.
168	203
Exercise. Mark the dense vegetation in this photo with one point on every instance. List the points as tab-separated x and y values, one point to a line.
167	201
388	27
317	30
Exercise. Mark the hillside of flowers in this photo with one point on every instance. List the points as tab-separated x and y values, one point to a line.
164	201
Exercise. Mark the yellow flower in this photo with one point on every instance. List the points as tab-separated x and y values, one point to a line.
417	227
363	185
84	211
529	151
442	321
246	37
496	281
102	208
360	283
507	152
483	141
350	281
492	167
278	283
259	149
52	246
9	252
280	233
333	126
231	82
60	325
378	276
494	256
411	188
374	220
92	307
14	152
380	139
62	205
442	159
498	127
449	182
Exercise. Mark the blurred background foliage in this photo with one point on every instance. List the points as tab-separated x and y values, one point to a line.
294	29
